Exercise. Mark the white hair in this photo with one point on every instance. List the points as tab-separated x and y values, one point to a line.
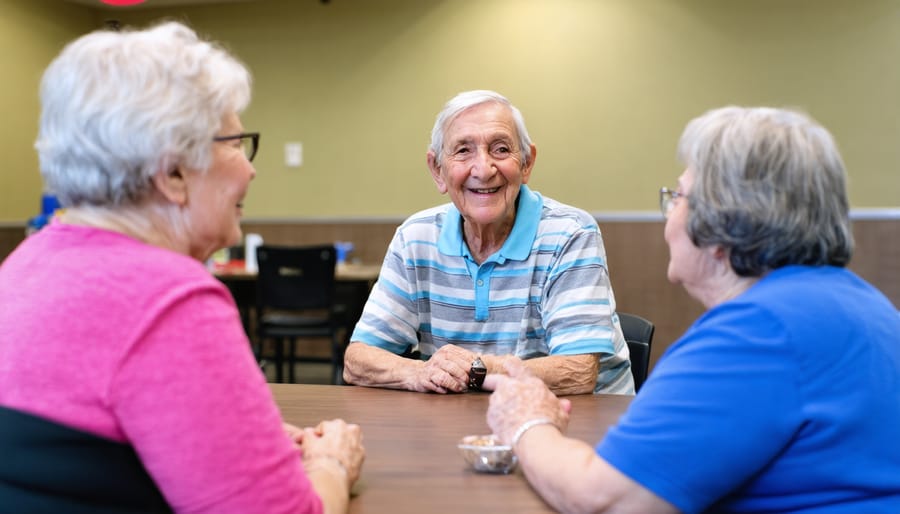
466	100
119	107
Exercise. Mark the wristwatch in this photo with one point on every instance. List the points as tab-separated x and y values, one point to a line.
476	374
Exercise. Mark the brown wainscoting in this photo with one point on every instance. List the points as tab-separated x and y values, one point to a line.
637	259
637	256
876	257
10	237
370	238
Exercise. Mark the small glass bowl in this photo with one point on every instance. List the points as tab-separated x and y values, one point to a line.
486	454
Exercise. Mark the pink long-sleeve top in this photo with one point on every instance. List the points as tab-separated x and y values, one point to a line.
138	344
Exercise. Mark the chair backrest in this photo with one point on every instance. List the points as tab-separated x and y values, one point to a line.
48	467
638	334
295	277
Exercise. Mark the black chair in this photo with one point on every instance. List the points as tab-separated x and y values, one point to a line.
638	334
349	301
295	299
49	467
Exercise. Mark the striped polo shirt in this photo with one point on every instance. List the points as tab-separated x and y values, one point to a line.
545	292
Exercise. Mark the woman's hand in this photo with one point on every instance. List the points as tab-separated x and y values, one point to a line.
335	441
520	397
294	433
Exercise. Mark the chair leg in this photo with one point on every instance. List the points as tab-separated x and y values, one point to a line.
291	359
257	349
279	360
337	360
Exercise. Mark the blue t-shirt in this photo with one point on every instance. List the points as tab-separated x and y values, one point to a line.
786	398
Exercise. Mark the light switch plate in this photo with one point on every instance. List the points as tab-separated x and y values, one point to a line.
293	155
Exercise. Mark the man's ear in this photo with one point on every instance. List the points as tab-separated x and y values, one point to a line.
172	185
435	167
526	170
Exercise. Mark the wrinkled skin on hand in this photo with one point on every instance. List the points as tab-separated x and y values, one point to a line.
497	363
447	371
333	439
519	397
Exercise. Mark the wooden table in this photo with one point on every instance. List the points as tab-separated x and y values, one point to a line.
412	463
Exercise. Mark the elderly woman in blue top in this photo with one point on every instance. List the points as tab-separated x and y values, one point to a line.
500	273
785	395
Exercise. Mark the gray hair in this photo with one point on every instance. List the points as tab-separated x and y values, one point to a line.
118	107
769	187
466	100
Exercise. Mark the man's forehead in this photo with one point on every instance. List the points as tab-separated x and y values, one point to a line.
482	135
500	124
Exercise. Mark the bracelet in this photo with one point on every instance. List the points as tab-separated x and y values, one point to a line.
525	427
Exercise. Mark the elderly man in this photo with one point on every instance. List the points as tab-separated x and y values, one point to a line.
500	273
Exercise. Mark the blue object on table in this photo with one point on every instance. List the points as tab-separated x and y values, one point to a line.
49	205
343	248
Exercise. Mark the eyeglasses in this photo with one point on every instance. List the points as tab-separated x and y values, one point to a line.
667	200
249	142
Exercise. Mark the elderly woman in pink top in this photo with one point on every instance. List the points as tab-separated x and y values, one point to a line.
126	380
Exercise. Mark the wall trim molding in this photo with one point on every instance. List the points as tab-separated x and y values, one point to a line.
874	214
603	216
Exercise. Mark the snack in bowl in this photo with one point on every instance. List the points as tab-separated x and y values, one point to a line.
486	454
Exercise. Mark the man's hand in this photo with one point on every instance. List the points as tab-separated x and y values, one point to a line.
447	371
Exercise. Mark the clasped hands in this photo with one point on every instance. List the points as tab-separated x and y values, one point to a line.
447	370
336	441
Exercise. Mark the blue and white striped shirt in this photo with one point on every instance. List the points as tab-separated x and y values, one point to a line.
545	292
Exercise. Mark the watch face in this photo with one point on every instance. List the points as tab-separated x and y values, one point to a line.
476	374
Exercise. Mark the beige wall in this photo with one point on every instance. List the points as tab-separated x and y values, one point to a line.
605	85
31	33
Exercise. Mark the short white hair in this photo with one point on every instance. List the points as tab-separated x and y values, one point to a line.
118	107
466	100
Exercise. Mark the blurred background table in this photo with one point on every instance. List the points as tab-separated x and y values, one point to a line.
412	464
344	272
353	282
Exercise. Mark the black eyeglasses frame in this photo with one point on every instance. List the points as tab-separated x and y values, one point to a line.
252	136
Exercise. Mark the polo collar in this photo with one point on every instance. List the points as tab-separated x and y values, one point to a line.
517	246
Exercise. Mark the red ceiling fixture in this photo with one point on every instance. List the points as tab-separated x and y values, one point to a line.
122	2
